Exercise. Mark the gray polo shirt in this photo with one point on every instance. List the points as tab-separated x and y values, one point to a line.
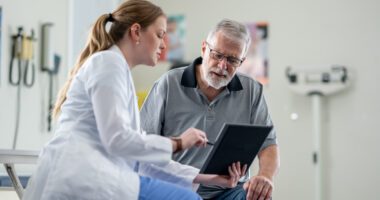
175	103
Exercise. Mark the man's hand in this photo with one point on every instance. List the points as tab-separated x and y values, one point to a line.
259	188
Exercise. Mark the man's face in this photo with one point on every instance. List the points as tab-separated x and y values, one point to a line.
221	57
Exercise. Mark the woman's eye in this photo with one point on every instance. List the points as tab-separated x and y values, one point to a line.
161	35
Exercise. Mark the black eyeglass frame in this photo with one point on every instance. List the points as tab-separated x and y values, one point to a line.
231	60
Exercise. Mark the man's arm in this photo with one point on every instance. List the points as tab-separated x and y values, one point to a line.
269	161
261	186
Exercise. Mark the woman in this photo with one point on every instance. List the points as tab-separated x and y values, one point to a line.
98	146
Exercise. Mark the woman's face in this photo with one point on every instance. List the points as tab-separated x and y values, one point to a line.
152	41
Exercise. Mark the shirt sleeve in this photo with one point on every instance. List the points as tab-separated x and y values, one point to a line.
153	110
111	92
260	116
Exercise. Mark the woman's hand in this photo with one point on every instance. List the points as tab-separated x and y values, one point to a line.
230	181
236	172
193	136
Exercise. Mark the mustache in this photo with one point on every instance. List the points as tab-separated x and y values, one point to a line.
220	71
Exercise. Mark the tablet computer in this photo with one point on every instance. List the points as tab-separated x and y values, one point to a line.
236	142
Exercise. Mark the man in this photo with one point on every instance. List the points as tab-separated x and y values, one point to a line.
205	95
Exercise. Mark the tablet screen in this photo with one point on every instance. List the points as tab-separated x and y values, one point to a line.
236	142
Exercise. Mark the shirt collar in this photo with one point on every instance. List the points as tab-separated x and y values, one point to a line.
189	79
114	48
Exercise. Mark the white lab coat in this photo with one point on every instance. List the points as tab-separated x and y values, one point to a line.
98	140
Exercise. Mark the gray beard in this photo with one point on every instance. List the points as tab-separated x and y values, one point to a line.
217	84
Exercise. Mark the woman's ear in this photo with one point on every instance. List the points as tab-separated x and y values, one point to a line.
135	32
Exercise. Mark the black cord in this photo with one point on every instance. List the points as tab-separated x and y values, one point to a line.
30	63
13	57
26	70
18	105
50	100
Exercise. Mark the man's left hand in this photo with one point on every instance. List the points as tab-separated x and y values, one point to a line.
259	188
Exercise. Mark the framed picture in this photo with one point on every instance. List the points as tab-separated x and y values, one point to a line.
175	40
256	64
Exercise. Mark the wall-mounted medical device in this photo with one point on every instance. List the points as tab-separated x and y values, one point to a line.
323	80
50	62
22	70
47	54
21	66
317	82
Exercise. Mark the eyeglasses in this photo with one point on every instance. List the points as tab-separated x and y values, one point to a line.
231	61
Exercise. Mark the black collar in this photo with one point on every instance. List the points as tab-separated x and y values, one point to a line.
189	79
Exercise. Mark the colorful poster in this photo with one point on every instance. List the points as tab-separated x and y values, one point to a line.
175	40
256	64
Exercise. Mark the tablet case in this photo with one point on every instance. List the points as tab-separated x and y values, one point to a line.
236	142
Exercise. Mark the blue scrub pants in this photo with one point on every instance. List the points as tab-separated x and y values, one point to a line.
152	189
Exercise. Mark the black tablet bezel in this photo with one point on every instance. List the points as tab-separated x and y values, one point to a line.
228	148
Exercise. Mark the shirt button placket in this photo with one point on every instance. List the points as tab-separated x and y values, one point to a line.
210	113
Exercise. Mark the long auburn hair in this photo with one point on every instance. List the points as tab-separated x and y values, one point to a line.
142	12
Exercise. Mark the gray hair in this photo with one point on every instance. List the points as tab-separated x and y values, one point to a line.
233	30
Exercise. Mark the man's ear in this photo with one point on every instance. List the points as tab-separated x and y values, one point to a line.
203	49
135	32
